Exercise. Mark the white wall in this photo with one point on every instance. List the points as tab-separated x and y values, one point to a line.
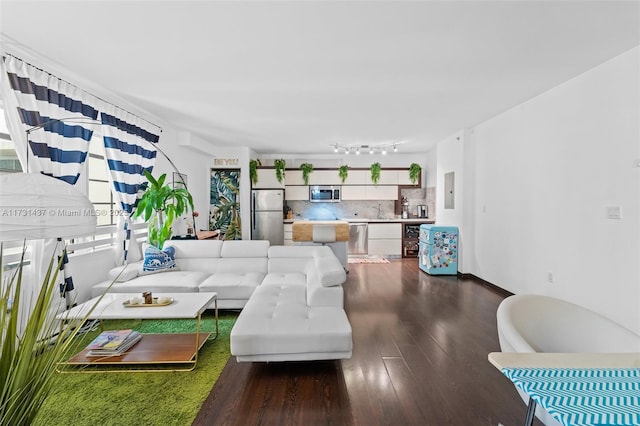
543	174
453	154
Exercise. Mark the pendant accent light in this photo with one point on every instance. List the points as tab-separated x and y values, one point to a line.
36	206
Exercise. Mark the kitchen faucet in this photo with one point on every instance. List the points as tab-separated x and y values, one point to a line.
379	210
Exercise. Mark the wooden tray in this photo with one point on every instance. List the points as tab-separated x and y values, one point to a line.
155	304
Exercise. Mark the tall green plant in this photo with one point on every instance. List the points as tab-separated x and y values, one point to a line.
162	204
29	356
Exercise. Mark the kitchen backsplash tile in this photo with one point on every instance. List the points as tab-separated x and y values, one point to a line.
364	209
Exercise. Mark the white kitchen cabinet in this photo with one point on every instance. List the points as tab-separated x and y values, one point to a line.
385	239
382	192
294	177
353	192
385	247
369	192
387	177
267	179
288	234
358	177
324	177
296	192
403	178
385	230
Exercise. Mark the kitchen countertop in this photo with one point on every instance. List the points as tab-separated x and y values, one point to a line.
365	220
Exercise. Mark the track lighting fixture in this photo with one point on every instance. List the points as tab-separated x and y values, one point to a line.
373	149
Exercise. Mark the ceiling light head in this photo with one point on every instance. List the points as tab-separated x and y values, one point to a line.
395	148
335	148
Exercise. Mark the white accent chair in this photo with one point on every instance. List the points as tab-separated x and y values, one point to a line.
536	323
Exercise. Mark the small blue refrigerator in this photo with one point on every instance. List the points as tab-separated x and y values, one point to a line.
438	253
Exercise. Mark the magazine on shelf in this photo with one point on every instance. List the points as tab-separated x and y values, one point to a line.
132	338
109	339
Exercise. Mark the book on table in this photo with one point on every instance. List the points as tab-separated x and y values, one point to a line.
113	342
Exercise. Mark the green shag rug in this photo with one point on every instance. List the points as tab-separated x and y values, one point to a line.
162	398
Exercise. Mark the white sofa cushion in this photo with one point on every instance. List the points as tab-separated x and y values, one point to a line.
229	285
248	248
125	273
195	248
330	271
285	278
276	324
166	282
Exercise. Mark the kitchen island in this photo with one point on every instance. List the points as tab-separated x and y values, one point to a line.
333	233
386	237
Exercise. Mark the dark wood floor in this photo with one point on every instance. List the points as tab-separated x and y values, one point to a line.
419	358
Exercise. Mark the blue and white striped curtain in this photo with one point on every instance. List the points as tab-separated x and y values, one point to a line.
59	148
129	150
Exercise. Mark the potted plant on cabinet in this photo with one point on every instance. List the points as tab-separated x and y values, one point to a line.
414	172
375	172
162	204
343	172
253	170
306	168
279	165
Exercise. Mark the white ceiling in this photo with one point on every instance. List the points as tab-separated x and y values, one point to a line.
295	77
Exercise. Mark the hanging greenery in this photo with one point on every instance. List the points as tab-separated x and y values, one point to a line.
253	170
414	172
375	172
279	164
162	204
306	168
343	172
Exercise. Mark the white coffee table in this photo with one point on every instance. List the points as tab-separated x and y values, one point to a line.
156	349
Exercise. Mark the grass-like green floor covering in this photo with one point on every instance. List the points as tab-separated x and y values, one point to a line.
162	398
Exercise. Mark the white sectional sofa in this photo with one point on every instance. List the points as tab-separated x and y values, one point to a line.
291	296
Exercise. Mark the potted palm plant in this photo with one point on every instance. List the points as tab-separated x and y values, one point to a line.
306	168
161	205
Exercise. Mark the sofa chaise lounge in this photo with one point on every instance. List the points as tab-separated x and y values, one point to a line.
291	296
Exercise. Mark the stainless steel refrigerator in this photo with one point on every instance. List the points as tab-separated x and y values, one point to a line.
267	215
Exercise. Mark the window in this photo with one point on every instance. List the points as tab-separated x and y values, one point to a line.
99	187
9	162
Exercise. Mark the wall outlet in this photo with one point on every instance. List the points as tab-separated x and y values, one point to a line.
550	277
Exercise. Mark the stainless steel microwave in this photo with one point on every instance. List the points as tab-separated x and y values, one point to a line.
324	194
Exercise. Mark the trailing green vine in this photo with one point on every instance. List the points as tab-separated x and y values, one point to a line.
343	172
375	172
253	170
414	172
306	168
280	165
